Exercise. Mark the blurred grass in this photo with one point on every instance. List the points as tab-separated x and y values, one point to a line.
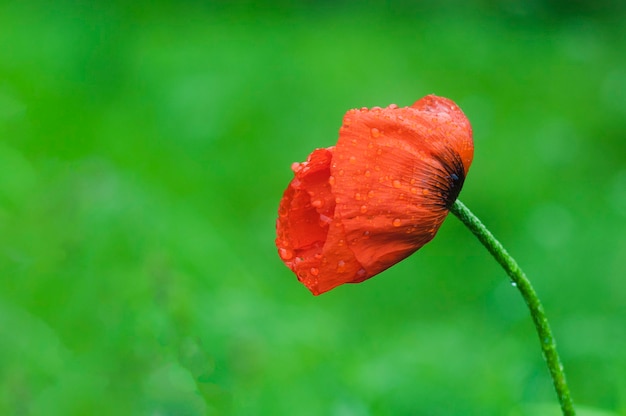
143	152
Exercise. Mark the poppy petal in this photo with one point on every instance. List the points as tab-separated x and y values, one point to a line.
451	122
306	214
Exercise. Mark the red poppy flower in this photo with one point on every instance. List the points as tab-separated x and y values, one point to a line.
358	208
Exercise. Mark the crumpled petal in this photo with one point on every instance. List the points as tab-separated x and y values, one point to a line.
379	195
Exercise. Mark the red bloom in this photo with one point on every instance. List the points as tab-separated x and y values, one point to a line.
379	195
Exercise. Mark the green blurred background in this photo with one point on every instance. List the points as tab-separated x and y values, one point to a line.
144	148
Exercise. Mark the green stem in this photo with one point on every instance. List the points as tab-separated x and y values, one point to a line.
522	283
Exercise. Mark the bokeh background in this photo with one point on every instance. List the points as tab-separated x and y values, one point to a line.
144	147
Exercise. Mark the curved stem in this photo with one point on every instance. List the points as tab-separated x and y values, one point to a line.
519	279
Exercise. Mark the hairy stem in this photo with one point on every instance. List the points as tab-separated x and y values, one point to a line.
519	279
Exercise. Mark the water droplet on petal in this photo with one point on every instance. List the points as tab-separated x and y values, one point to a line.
425	191
357	196
315	271
317	203
513	284
396	183
376	108
370	194
341	266
363	209
352	159
285	254
361	273
340	172
331	180
364	109
324	220
295	166
397	222
366	234
375	133
414	191
368	173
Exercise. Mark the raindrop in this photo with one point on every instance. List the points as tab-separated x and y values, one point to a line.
361	273
414	191
315	271
392	106
375	133
376	108
285	254
352	159
295	166
331	180
317	203
513	284
363	209
397	184
397	222
425	191
370	194
368	173
357	196
341	266
340	172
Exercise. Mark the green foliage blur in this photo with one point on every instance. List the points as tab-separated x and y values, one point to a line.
144	147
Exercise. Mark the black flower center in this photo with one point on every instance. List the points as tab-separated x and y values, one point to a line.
451	177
